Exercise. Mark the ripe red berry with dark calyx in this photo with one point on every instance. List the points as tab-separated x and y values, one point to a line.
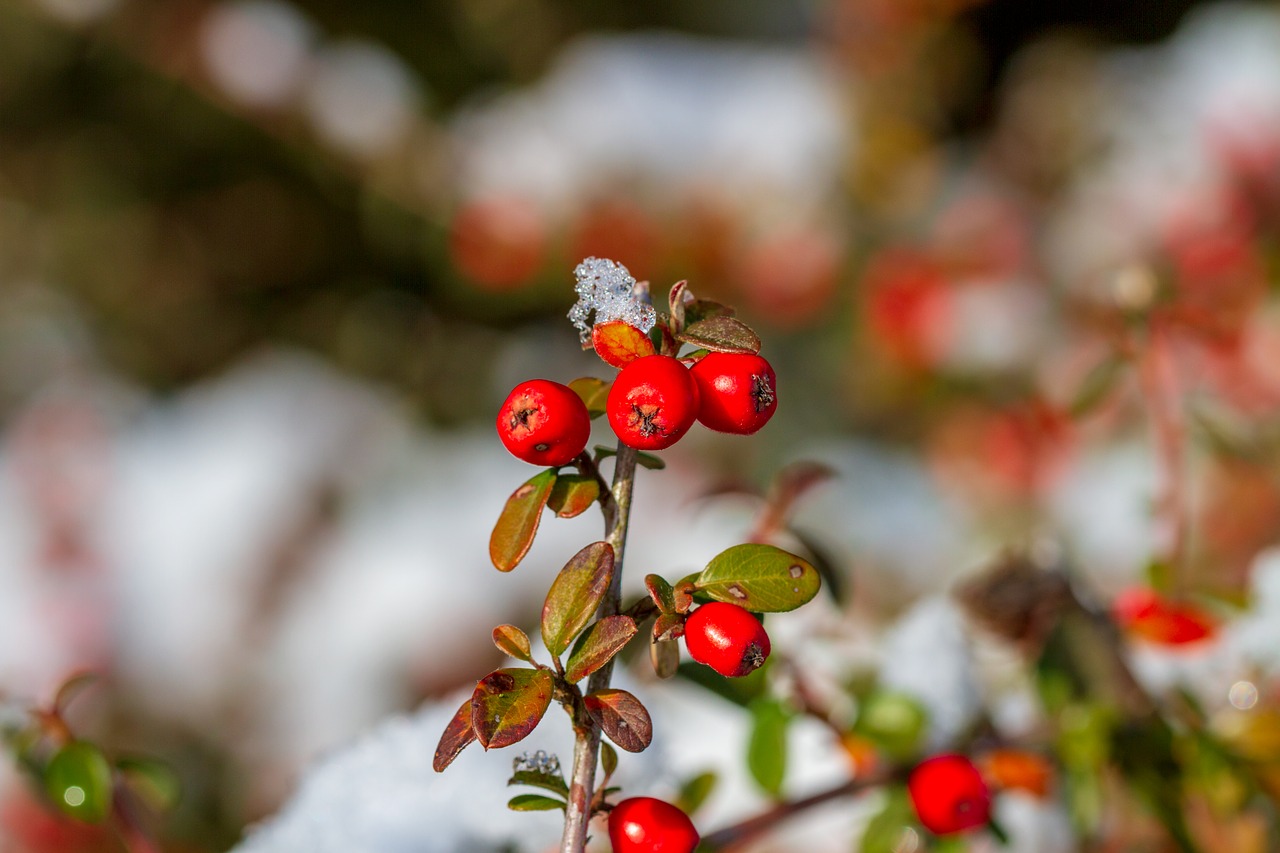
652	403
544	423
648	825
727	638
949	794
737	392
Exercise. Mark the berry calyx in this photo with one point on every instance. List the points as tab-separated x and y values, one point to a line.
949	794
649	825
544	423
737	392
652	403
726	638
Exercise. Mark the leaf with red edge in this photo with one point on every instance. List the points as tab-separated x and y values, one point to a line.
72	687
573	495
668	626
621	716
620	343
661	592
575	594
517	525
721	334
597	646
512	641
456	736
679	297
508	703
593	392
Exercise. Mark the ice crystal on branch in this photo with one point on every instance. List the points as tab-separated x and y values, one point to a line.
537	762
608	289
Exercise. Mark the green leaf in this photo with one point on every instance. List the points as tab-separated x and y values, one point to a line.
893	721
456	736
621	716
510	640
513	534
597	646
593	392
767	746
1096	387
153	781
534	803
884	832
761	578
575	594
78	781
695	790
664	655
721	334
552	782
644	460
508	703
661	593
573	494
739	691
608	759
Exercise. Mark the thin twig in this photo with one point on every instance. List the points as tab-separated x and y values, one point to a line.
617	513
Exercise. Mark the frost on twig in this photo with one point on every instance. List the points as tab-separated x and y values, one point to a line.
608	289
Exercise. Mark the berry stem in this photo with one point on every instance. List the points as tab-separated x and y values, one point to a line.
586	749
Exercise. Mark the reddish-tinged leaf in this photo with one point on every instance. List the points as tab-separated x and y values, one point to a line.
597	646
682	594
512	641
456	736
665	657
573	495
508	703
621	716
679	297
71	688
701	309
668	626
593	392
721	334
575	594
513	534
661	592
620	343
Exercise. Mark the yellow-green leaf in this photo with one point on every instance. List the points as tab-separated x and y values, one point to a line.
512	641
620	343
761	578
78	781
153	781
575	594
573	494
593	392
534	803
513	534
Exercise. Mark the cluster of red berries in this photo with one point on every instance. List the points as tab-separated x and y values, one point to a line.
652	404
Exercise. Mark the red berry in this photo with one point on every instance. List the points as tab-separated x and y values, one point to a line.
544	422
647	825
949	794
652	403
726	638
737	392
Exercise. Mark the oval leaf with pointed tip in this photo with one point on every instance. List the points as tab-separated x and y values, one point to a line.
575	594
597	646
508	703
534	803
573	495
694	792
620	343
721	334
513	534
767	747
553	782
761	578
78	781
512	641
594	393
456	736
621	716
